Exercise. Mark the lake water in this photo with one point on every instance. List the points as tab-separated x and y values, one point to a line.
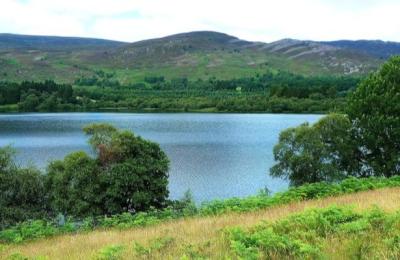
213	155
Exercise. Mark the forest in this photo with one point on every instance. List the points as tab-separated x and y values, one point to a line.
280	92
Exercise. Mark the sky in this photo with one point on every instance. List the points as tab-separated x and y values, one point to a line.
255	20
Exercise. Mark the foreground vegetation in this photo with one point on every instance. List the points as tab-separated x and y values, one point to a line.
311	234
210	237
186	208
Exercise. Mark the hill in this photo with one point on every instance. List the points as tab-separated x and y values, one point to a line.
29	42
194	55
211	53
206	238
378	49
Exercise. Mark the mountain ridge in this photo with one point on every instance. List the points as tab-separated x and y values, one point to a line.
41	41
199	54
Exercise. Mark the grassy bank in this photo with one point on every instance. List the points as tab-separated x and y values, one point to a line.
37	229
189	238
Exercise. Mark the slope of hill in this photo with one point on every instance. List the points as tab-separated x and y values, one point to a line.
25	57
193	55
205	237
29	42
378	49
211	52
172	48
324	58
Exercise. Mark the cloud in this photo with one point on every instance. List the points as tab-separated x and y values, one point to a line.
259	20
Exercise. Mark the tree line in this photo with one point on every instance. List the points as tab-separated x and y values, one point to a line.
271	92
37	96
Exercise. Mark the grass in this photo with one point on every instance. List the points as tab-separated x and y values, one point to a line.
8	108
190	238
36	229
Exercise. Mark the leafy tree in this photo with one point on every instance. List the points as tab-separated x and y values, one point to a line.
308	154
22	193
374	109
75	185
129	174
2	99
29	103
367	143
136	170
50	103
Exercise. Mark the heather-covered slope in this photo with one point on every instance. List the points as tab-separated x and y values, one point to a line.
202	54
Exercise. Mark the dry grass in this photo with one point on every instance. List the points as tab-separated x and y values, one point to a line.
191	236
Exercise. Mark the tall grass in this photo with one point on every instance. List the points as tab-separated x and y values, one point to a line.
200	237
41	228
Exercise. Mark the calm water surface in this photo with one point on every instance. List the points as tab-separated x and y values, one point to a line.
213	155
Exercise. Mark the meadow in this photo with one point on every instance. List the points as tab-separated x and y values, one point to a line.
234	234
225	229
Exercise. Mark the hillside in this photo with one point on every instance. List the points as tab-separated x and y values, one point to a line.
204	237
29	42
25	57
193	55
378	49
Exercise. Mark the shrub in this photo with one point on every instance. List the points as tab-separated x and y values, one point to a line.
113	252
155	245
294	194
22	192
307	234
28	230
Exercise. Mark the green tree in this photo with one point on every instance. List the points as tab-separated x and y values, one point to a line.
136	170
22	192
307	154
2	99
50	103
129	174
374	109
29	102
75	185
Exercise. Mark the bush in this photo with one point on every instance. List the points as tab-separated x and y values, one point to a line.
306	235
295	194
22	192
28	230
155	245
113	252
